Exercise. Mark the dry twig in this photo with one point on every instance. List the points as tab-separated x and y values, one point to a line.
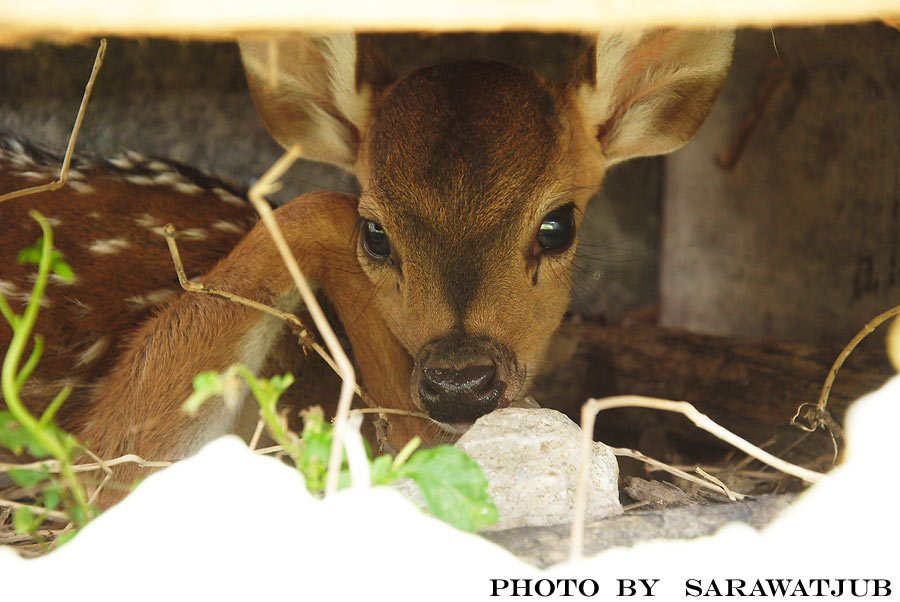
589	412
264	186
818	415
710	483
198	287
70	148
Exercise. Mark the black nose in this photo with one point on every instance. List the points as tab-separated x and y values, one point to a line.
460	395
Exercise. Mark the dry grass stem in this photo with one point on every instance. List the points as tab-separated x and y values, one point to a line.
53	465
266	185
198	287
70	148
731	495
272	449
37	510
397	411
818	415
592	407
257	433
758	475
711	482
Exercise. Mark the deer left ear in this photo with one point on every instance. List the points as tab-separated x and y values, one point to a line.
647	93
315	91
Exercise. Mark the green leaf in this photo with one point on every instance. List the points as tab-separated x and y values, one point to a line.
63	270
381	470
65	538
16	438
12	435
280	384
25	477
80	517
206	385
454	487
23	521
208	382
52	497
31	254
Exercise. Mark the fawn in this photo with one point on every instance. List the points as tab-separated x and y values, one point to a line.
449	273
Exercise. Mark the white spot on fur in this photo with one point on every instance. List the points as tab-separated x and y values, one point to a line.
193	234
81	187
158	166
74	174
188	188
109	246
95	215
8	289
225	226
168	178
227	197
16	146
140	180
31	175
121	162
150	299
135	156
11	293
92	353
36	388
54	222
17	155
55	279
82	309
147	221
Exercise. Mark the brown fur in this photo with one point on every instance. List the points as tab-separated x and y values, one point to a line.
459	163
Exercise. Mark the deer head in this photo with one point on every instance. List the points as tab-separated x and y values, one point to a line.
474	178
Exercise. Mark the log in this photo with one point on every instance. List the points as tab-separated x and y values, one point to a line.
751	387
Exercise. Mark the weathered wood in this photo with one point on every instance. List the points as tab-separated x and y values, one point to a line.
55	19
751	387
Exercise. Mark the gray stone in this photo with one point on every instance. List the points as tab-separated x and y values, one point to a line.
530	458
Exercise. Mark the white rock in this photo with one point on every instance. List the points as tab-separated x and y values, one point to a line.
530	458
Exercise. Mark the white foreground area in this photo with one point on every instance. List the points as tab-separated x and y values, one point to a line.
228	524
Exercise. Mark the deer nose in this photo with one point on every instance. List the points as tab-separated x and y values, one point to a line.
460	377
460	395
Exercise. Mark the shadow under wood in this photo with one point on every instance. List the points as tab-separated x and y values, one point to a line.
750	387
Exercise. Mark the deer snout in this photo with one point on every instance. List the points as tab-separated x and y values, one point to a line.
459	378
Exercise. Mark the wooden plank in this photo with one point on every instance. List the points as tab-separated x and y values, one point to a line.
42	19
751	387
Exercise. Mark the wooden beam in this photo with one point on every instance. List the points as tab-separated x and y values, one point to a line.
22	21
750	387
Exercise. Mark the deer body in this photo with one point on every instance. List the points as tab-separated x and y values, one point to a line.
449	273
124	335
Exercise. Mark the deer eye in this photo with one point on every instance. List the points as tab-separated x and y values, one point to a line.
375	240
557	229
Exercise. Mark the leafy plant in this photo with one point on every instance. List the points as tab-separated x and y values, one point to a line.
453	485
19	429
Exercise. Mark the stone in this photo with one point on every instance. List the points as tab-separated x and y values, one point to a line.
530	459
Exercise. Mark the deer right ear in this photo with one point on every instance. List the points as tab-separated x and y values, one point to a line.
647	93
313	91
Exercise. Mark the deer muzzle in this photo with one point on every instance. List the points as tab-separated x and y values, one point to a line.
459	377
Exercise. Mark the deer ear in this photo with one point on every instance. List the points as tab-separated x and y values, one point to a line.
647	93
313	91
